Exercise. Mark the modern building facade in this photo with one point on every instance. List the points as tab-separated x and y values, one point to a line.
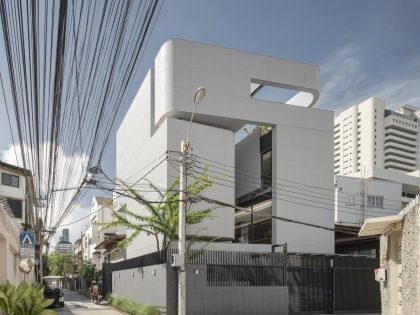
370	136
373	142
300	143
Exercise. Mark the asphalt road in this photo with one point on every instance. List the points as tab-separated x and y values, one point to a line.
77	304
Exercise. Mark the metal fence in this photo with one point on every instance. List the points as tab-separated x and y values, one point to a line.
332	284
316	283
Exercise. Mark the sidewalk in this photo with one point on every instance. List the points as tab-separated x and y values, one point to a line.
76	304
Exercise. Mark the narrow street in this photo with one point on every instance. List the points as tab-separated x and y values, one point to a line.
75	303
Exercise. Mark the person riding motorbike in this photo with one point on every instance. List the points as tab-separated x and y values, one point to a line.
94	292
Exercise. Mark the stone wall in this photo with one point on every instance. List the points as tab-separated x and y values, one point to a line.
409	259
385	291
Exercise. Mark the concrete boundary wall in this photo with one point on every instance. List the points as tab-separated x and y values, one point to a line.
146	285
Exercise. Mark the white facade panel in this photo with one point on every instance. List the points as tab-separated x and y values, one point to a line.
302	137
358	199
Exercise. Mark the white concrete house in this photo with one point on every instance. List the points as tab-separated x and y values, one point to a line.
94	236
301	138
357	199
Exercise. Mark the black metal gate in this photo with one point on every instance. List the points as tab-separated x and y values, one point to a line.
332	284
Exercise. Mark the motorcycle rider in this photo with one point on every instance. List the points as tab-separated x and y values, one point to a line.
94	291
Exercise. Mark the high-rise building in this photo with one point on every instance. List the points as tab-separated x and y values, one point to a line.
373	142
64	247
65	235
369	136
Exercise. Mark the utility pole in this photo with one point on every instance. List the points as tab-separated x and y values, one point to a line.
185	146
182	276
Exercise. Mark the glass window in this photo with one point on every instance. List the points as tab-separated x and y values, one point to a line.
350	200
16	207
375	201
266	168
9	180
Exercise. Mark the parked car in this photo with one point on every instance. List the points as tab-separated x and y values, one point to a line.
53	291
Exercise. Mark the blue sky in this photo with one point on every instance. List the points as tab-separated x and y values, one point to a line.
363	47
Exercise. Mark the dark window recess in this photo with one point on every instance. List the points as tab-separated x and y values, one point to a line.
266	142
408	195
266	169
16	207
9	180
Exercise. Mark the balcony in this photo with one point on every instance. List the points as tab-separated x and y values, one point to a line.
401	134
392	151
401	141
399	166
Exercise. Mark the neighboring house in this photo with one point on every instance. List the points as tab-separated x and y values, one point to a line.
399	258
371	141
112	252
9	245
77	255
16	186
299	147
101	212
16	208
357	199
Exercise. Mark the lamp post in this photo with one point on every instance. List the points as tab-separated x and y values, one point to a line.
185	146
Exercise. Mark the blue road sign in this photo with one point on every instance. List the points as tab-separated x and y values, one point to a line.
27	244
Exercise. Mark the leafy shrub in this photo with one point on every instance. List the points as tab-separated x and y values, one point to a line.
132	308
23	300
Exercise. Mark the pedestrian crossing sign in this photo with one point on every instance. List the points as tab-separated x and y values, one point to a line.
27	244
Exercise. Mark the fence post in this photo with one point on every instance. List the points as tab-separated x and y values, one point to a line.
332	286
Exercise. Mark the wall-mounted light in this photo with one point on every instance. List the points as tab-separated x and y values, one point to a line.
132	274
154	272
119	275
196	271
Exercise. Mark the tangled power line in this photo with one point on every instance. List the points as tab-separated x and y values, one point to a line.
69	65
282	190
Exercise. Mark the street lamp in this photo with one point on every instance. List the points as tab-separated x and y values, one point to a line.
185	145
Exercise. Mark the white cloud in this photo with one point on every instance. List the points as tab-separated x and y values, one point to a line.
347	79
70	171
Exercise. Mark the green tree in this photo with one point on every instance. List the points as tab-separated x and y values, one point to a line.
87	272
161	217
60	264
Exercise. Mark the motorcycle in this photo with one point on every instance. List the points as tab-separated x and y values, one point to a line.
96	298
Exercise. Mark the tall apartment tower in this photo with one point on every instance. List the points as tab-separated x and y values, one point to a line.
369	136
65	235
